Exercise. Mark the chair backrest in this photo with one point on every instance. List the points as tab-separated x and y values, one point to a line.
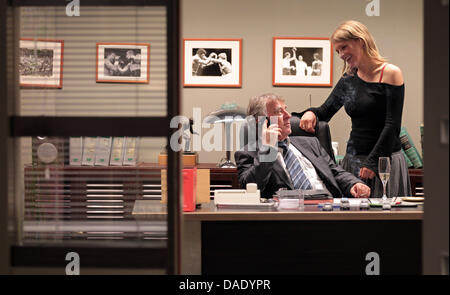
322	133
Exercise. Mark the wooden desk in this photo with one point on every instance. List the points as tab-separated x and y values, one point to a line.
225	241
210	213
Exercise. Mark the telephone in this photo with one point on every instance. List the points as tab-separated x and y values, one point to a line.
251	197
238	196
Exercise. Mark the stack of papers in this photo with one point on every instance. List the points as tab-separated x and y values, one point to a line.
399	202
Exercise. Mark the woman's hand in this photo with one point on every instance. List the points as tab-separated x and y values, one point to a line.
270	134
308	122
366	173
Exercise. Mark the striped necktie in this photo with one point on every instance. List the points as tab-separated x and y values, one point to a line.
294	168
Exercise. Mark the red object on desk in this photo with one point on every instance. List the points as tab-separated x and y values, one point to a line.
189	189
316	202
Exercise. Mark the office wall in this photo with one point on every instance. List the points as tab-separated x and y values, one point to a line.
398	32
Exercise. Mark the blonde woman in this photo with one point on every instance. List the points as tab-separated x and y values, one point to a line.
372	93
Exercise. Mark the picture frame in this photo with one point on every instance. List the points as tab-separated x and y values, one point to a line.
212	63
123	63
41	63
302	61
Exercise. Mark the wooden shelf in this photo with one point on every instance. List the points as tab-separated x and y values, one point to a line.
101	193
416	179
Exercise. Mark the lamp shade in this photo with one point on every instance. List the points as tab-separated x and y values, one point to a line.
224	115
227	114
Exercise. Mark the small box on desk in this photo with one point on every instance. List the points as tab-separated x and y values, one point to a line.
188	159
189	189
201	187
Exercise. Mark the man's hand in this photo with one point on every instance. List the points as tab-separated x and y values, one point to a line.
360	190
270	134
308	122
366	173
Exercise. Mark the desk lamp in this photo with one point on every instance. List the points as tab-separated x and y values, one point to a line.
226	114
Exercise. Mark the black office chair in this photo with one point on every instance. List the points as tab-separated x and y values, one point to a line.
322	133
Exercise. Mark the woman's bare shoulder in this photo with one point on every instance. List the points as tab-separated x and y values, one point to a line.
393	75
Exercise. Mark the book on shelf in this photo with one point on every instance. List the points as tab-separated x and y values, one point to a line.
89	150
408	161
117	151
103	150
75	150
410	149
421	137
131	151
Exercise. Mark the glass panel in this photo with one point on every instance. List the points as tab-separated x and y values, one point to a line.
84	189
109	61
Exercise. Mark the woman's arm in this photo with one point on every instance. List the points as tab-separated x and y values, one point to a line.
333	103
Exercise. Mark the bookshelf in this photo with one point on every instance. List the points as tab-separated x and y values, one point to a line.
416	179
71	191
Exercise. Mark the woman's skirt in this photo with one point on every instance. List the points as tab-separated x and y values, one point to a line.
398	184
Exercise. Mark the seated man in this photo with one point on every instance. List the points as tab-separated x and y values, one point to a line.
299	162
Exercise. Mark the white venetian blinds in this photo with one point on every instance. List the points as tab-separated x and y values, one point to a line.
80	94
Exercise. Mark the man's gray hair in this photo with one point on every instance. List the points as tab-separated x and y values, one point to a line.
258	104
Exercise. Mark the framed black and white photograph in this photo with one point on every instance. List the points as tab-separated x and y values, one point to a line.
41	63
212	62
123	62
302	62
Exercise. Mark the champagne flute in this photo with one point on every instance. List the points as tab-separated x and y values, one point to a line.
384	170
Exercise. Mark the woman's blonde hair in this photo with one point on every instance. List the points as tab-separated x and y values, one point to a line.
354	30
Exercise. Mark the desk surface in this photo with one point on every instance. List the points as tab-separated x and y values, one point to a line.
151	209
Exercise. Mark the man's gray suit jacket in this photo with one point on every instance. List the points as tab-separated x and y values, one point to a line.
271	176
